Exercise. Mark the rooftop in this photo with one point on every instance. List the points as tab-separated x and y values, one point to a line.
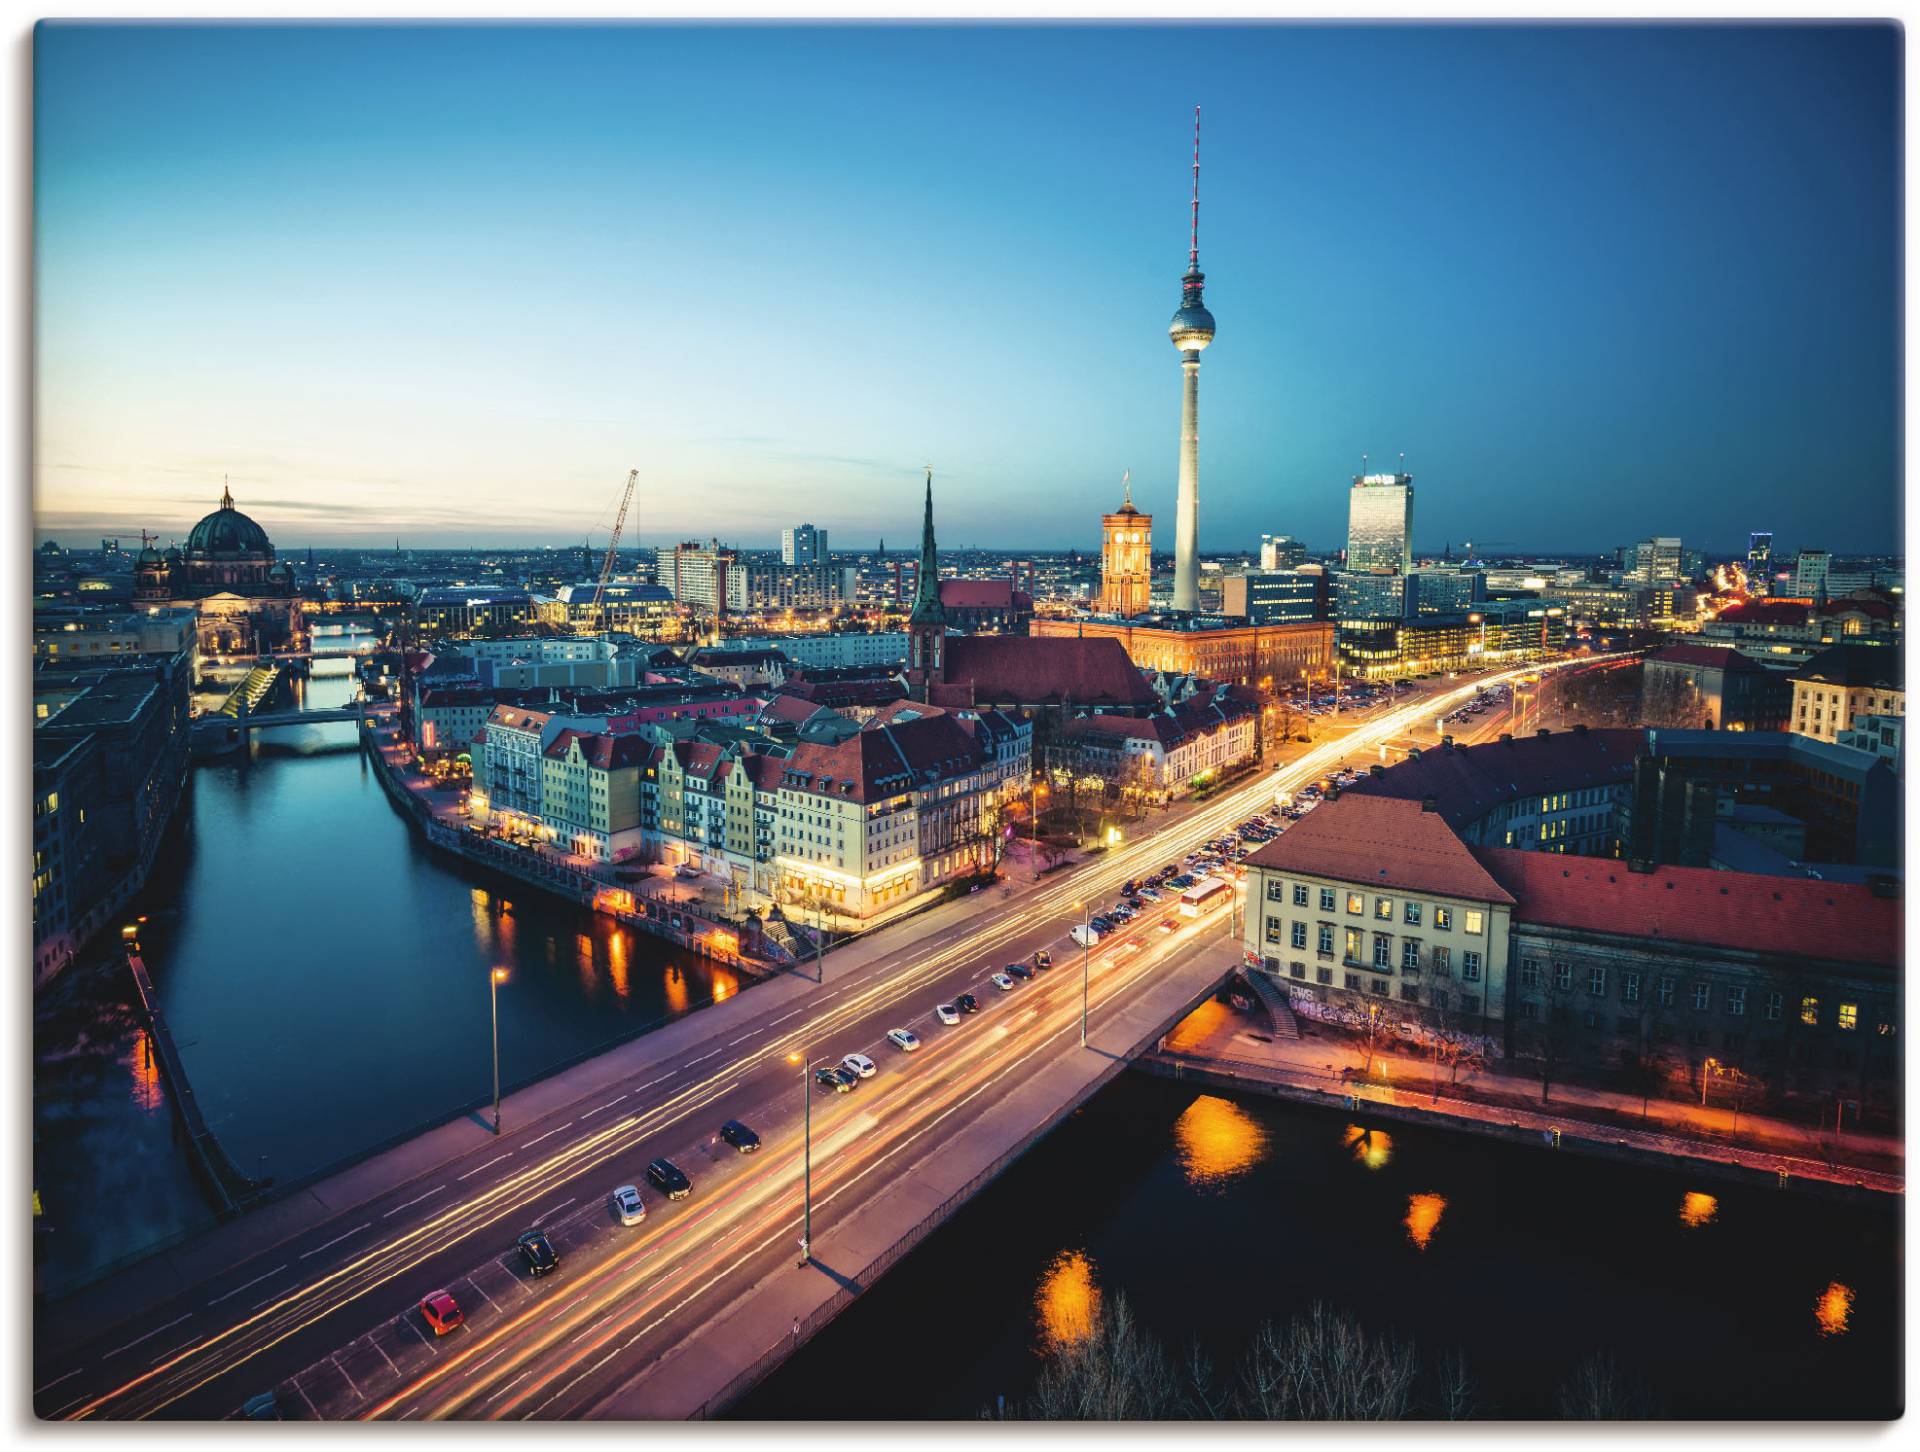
1381	843
1468	782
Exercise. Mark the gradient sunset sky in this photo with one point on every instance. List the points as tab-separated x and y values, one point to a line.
450	283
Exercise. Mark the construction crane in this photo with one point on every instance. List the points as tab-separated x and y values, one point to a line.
619	523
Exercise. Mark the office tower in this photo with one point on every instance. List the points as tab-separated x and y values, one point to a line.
803	545
1380	524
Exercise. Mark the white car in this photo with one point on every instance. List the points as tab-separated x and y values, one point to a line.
1002	982
859	1064
946	1013
904	1039
626	1204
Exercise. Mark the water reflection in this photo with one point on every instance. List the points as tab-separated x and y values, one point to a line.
1067	1303
145	1069
1217	1141
726	983
676	988
1834	1309
617	961
583	956
1371	1147
1697	1208
1423	1218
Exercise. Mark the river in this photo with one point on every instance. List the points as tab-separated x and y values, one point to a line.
325	975
1212	1213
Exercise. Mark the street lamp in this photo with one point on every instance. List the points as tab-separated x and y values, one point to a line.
495	979
1086	962
806	1212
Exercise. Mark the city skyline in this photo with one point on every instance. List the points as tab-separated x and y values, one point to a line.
433	308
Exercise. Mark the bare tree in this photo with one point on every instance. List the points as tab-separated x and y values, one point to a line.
1598	1391
1455	1398
1376	1026
1324	1367
1118	1372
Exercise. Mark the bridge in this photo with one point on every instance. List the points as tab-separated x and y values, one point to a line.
219	731
682	1314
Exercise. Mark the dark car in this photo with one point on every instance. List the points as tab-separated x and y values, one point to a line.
1136	903
1129	885
263	1408
537	1251
739	1136
835	1079
967	1003
1042	958
1020	971
669	1179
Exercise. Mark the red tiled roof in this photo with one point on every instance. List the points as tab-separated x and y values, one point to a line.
1797	916
1767	612
1710	657
885	759
982	595
1469	781
518	719
1381	842
697	758
790	708
1025	670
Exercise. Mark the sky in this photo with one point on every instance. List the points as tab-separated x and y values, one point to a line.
449	284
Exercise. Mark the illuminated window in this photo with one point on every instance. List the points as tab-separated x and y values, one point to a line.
1476	920
1356	903
1443	918
1810	1010
1383	909
1353	945
1849	1016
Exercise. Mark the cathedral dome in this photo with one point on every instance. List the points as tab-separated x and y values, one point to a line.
228	532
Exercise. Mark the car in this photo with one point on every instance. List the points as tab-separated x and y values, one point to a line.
1042	958
1128	886
835	1079
1168	925
859	1065
1151	894
1085	934
1020	971
903	1039
1135	903
669	1179
443	1313
1002	982
627	1206
537	1251
263	1408
946	1012
966	1003
739	1136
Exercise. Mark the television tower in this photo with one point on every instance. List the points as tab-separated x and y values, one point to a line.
1191	331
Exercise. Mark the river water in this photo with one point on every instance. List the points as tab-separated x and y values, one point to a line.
325	975
1212	1213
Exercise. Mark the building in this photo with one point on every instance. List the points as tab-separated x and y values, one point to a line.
1191	330
590	793
985	606
1882	737
1263	656
1714	687
1444	592
803	545
1843	682
838	650
1276	597
1657	561
740	666
508	776
243	598
796	587
707	577
87	636
641	610
1281	552
1126	559
529	662
1760	562
1372	905
1810	570
1500	630
470	610
1371	595
1380	524
1165	754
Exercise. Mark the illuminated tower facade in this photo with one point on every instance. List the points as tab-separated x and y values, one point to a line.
1126	559
1191	331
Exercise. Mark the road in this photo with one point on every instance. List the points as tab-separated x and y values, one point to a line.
329	1314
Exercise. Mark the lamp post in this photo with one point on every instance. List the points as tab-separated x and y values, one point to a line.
806	1200
494	980
1086	964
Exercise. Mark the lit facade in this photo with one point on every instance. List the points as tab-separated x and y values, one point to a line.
1126	559
1240	654
1380	523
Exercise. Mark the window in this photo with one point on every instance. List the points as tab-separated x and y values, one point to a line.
1352	981
1383	952
1409	994
1410	955
1440	960
1326	939
1702	997
1326	899
1411	912
1352	954
1469	1003
1849	1018
1299	894
1529	972
1299	940
1597	981
1380	986
1383	909
1529	1012
1443	918
1630	987
1323	975
1810	1011
1356	903
1470	966
1737	1002
1440	998
1663	992
1476	921
1297	970
1274	925
1775	1003
1276	890
1563	976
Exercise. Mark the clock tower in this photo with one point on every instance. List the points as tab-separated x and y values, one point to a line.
1126	559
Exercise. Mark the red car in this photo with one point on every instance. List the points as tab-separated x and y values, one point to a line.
443	1313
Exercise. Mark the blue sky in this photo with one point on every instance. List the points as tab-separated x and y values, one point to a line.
451	283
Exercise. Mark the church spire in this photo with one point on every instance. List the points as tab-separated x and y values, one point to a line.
226	494
926	594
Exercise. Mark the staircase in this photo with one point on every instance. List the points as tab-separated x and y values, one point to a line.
1275	998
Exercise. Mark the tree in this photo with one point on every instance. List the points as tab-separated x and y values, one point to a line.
1118	1372
1376	1025
1324	1367
1549	1043
1454	1043
1598	1391
1454	1396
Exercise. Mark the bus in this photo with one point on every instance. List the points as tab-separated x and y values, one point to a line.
1203	892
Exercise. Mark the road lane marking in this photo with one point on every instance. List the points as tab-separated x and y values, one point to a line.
483	1295
56	1382
308	1400
703	1058
350	1381
336	1240
383	1355
508	1387
478	1168
556	1209
415	1201
491	1359
608	1105
661	1080
785	1016
743	1038
183	1346
148	1337
548	1135
249	1285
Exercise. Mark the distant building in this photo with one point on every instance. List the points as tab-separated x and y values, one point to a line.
88	637
243	597
1281	552
741	667
1275	597
1882	737
590	793
1126	559
806	586
985	606
1810	569
1715	687
1844	682
1760	562
1165	754
1370	595
706	576
636	609
1380	523
803	545
1657	561
1245	654
472	610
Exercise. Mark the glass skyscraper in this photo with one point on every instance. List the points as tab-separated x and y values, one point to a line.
1380	524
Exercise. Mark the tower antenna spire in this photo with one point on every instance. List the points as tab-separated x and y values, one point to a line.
1193	242
1126	484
